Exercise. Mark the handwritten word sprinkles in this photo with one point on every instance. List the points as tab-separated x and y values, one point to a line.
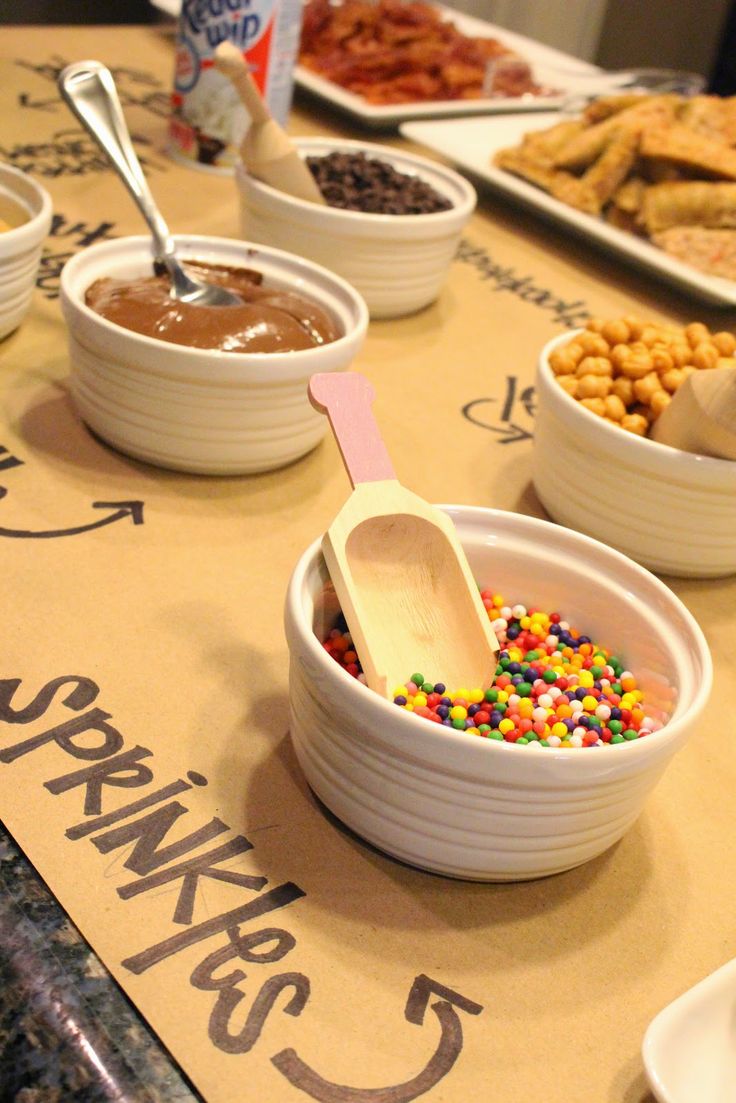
99	765
83	737
71	152
570	314
136	87
553	686
75	236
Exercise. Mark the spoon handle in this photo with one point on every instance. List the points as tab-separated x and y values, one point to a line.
89	90
346	398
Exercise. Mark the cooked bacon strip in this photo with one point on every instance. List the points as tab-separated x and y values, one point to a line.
394	51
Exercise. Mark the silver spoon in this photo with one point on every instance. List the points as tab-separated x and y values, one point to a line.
89	90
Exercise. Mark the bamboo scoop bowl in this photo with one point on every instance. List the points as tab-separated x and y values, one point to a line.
702	415
266	150
400	574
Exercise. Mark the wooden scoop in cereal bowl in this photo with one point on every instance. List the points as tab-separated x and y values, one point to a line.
702	415
399	571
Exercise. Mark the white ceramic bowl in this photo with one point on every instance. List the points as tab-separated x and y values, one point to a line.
688	1049
673	511
475	808
398	263
201	410
20	247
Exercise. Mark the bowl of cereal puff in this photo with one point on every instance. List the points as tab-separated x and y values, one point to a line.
596	468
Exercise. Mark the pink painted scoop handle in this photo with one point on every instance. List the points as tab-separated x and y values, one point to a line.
346	398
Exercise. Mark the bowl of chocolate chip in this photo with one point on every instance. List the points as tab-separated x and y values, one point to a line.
390	224
213	390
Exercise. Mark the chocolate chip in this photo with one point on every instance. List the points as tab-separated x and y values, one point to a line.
355	182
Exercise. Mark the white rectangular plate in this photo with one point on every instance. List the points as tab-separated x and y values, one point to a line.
471	144
549	67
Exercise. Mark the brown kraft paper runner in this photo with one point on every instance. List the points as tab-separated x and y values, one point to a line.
276	956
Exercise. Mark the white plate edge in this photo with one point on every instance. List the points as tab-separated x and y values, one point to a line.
532	51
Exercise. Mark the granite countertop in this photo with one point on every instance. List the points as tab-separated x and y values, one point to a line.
67	1031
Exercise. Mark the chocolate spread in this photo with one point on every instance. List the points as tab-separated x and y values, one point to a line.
270	319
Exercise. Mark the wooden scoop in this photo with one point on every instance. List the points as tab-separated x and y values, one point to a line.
267	151
702	415
400	574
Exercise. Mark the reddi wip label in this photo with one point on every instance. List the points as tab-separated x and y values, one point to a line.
208	121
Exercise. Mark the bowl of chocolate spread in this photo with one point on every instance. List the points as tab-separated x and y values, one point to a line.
270	319
208	390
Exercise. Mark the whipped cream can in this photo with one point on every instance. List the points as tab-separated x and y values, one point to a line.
208	120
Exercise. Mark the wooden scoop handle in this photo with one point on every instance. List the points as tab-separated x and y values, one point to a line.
702	415
346	398
230	62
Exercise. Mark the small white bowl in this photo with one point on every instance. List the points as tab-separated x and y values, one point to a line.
20	247
689	1049
673	511
202	410
398	263
471	807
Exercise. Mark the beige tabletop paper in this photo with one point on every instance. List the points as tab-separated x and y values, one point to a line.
277	957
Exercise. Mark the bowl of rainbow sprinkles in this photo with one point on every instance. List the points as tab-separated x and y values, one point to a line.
601	675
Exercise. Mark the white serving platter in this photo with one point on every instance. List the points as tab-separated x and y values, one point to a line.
689	1049
550	67
471	144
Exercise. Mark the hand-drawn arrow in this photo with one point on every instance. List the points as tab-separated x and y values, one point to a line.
134	510
7	460
510	433
508	430
290	1064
